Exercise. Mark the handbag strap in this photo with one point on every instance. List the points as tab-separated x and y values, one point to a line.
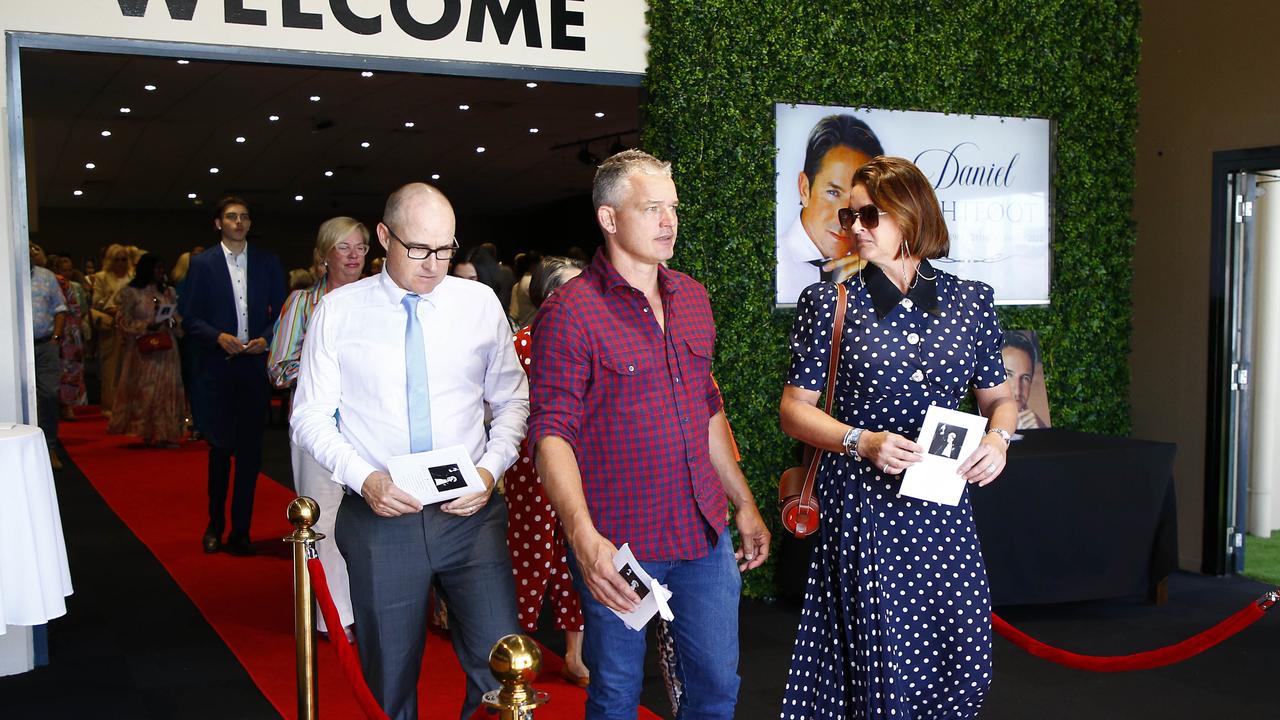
837	333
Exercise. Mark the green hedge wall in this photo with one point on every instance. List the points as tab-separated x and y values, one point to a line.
716	68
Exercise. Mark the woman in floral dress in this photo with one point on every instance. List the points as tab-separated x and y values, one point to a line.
149	402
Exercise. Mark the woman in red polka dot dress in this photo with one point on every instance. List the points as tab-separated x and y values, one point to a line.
534	534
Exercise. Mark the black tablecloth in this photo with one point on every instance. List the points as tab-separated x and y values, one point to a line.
1077	516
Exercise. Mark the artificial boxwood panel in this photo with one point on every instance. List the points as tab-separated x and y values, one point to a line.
716	68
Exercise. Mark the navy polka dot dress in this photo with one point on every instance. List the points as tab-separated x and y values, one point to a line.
896	620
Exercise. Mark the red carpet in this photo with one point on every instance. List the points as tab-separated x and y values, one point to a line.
160	495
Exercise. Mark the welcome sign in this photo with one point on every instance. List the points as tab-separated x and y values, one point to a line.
991	176
587	35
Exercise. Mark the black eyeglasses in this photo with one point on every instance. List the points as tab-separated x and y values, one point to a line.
868	214
419	252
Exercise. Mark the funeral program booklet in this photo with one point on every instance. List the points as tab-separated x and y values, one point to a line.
948	437
653	595
435	476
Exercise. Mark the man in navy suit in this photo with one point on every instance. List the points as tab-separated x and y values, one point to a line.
233	298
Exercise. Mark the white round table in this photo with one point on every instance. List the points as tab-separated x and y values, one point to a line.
34	577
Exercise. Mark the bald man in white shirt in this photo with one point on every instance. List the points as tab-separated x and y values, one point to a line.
367	391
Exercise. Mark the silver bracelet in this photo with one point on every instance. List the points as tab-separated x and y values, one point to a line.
1004	434
851	441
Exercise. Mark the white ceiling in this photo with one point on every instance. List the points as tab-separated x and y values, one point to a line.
163	148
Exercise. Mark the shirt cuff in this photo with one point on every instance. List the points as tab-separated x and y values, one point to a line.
356	472
492	462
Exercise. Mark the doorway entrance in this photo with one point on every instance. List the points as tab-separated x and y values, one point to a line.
131	142
1244	357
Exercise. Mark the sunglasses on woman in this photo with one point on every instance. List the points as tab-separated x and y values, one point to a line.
868	214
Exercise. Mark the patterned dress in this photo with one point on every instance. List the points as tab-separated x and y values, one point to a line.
896	618
538	549
71	389
149	401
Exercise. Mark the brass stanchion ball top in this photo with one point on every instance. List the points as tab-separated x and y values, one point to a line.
303	512
515	659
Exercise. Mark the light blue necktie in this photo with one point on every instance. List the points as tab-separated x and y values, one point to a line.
417	395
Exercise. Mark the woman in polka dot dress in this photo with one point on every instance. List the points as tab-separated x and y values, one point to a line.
896	619
534	535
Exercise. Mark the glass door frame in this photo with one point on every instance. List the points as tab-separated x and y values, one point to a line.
1228	410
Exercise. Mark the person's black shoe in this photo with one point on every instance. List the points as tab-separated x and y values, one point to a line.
212	541
239	545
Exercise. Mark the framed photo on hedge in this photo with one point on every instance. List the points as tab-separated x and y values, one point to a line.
991	175
1024	369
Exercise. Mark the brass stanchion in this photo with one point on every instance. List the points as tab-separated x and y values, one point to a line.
515	661
303	513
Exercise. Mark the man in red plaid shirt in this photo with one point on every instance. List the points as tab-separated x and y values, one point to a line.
633	447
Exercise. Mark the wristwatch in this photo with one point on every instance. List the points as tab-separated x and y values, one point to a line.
851	441
1004	434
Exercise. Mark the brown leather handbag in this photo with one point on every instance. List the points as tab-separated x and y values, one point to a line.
795	489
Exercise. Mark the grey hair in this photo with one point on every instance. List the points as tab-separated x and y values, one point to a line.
549	274
606	189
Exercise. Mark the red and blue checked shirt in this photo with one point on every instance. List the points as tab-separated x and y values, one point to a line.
634	403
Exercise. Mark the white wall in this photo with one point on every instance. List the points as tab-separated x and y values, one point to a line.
1223	54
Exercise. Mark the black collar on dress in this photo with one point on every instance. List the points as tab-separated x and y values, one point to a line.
885	295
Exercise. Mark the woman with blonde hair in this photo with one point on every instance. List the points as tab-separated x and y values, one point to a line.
115	274
341	246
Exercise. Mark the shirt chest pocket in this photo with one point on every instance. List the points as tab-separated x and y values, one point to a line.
630	381
698	352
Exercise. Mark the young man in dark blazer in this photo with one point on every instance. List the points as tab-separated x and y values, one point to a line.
233	298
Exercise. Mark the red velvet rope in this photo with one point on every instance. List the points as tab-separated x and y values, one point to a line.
346	655
1190	647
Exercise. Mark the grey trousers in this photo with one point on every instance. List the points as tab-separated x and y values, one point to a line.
392	563
48	378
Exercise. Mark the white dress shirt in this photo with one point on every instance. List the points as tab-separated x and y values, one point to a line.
353	363
795	273
238	266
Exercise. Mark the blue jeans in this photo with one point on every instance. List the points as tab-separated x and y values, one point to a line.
705	594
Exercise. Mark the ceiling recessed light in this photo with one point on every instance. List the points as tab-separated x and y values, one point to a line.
77	193
125	110
272	118
531	85
464	107
409	124
106	133
480	149
149	87
191	196
89	166
239	138
298	198
366	73
315	98
599	114
435	176
533	130
365	144
184	62
328	173
213	171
